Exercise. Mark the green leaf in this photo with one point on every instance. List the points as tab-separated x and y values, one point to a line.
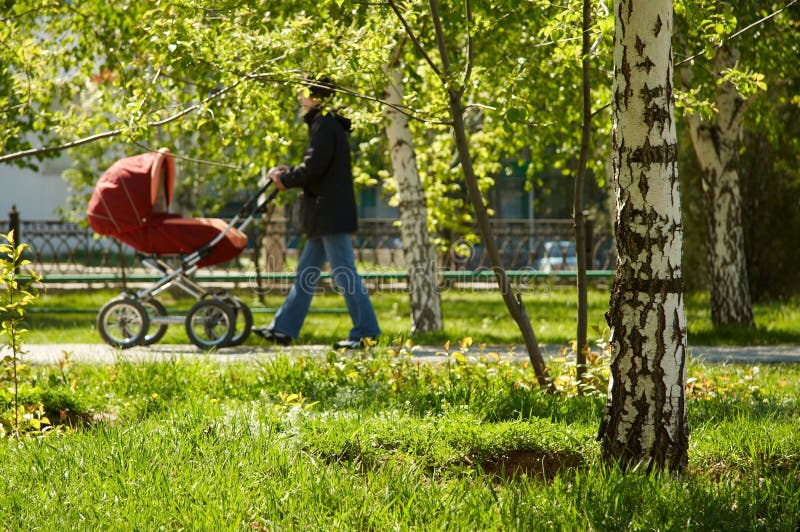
459	356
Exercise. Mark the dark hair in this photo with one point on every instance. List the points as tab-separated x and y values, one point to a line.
320	88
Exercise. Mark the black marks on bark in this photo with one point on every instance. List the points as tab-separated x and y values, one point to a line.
711	133
648	154
624	15
639	46
732	162
658	26
738	108
415	205
625	68
661	409
644	186
425	318
675	271
609	428
679	459
678	332
654	287
670	102
624	220
654	110
646	65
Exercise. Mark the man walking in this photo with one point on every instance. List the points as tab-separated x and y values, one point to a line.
329	217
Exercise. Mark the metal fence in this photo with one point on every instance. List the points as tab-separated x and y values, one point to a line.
542	245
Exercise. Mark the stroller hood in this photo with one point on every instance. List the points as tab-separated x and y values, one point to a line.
131	192
130	203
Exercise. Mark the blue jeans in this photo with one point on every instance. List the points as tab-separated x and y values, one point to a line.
338	250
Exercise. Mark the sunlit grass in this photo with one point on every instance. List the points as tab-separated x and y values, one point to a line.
480	315
380	442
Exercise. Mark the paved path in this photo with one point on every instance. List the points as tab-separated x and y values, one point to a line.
101	353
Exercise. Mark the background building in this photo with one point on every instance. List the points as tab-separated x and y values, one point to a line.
37	195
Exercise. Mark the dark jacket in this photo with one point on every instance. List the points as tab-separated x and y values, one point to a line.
326	176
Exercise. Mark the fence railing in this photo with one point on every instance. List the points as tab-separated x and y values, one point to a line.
542	247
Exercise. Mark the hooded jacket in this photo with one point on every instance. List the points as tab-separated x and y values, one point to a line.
326	176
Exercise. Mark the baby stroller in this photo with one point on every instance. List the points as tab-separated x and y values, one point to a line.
130	203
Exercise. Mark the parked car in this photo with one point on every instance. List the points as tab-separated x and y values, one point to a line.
557	255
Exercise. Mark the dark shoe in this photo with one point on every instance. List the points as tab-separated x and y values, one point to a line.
273	336
358	343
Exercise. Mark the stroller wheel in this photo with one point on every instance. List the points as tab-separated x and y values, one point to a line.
244	321
210	323
123	322
154	308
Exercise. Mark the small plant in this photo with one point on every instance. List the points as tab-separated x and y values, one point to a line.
293	400
18	293
594	380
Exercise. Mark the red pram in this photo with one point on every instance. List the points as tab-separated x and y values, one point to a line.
130	203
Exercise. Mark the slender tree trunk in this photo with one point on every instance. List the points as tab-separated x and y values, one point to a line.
418	251
513	301
717	147
581	344
645	420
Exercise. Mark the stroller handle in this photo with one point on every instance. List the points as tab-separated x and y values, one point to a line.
253	201
246	214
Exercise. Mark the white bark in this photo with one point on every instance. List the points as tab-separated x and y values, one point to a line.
645	420
717	146
418	251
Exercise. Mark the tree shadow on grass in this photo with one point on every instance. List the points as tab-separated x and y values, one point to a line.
746	336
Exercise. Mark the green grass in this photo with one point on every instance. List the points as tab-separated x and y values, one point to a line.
480	315
777	322
380	442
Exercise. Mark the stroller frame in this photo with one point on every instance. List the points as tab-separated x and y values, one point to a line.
216	320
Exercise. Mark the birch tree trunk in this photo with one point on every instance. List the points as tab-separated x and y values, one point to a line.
645	419
418	251
717	146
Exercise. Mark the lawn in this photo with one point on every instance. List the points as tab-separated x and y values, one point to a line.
379	442
481	315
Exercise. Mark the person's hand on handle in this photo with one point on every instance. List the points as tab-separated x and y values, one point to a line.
275	174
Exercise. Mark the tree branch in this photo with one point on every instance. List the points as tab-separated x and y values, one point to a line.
470	46
408	111
24	14
740	32
414	39
437	25
404	109
114	132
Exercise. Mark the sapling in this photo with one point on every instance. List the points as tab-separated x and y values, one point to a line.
18	292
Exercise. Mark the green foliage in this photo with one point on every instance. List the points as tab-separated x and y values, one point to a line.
769	177
126	67
18	293
235	67
754	29
766	77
